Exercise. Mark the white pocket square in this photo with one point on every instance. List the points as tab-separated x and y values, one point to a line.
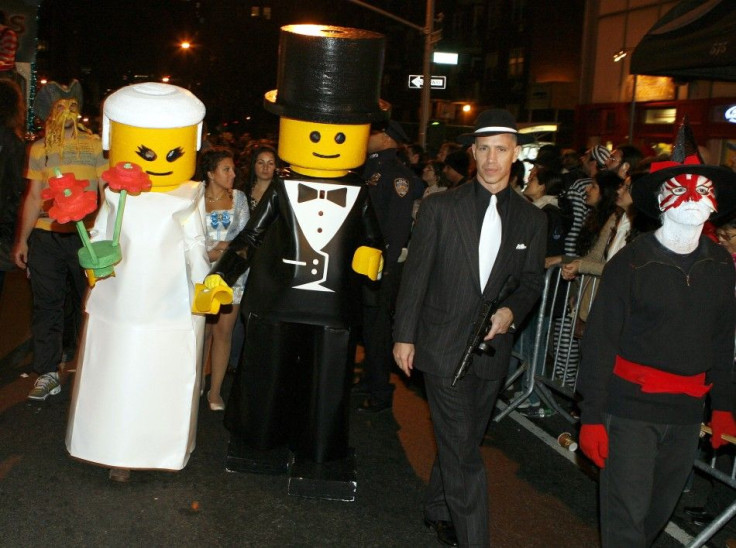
520	246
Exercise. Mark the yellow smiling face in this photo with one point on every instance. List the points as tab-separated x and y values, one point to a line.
322	150
168	156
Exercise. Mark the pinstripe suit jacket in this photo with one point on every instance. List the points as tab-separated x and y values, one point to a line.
440	294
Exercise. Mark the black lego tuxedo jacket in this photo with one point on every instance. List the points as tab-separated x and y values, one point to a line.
299	245
440	294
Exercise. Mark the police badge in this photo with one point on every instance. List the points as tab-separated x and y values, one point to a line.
401	186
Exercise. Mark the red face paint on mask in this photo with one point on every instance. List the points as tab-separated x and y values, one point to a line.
687	188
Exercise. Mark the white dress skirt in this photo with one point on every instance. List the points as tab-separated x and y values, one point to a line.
137	384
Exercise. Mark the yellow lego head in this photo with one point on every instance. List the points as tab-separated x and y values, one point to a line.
327	95
320	149
157	126
168	156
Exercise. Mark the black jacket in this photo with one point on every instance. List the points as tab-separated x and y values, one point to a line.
12	185
299	271
393	188
440	293
650	311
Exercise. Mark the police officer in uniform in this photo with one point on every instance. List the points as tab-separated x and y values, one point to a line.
393	188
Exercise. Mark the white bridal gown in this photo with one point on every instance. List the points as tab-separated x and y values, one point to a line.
137	385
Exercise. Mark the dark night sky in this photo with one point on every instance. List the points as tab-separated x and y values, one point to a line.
105	43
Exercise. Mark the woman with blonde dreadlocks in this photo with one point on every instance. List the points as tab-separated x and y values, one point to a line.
48	250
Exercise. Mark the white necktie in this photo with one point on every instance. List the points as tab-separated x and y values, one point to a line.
490	241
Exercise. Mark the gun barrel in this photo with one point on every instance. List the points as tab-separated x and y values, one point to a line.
482	326
462	367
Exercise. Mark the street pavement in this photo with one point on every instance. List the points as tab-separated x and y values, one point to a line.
541	494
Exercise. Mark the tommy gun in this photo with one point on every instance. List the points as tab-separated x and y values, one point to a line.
482	325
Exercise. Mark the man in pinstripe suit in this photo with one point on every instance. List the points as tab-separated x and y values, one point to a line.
439	299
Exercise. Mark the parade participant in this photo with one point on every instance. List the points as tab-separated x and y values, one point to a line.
49	249
137	386
658	339
466	243
292	386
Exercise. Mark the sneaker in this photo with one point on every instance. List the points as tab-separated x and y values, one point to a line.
46	385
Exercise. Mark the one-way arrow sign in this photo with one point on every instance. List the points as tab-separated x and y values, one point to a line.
416	81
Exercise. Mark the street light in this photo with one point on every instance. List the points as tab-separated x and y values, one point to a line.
186	55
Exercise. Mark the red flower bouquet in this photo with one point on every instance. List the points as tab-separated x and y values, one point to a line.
71	201
127	176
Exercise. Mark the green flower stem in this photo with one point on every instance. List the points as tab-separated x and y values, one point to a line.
119	217
85	239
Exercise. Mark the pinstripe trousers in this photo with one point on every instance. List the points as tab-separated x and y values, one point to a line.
458	487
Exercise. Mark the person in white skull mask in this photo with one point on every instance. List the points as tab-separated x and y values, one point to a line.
659	338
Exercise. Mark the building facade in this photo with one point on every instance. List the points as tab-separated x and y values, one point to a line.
617	107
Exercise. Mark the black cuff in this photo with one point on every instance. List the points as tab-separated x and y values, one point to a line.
231	266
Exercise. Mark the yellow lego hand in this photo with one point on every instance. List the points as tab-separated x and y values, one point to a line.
209	296
91	278
368	261
94	275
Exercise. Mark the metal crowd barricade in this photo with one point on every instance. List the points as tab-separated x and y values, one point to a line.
556	347
708	467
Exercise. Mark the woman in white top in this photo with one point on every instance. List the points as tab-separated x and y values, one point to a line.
227	213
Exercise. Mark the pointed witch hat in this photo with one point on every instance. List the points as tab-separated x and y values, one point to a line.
684	161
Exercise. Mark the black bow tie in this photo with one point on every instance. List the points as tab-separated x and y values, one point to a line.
337	196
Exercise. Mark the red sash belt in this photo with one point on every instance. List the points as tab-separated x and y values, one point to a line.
658	381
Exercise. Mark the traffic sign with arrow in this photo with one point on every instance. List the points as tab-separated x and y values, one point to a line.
416	81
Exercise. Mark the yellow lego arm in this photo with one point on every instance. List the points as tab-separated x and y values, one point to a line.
210	295
368	261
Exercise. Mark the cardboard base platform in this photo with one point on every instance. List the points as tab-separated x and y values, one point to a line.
334	480
241	458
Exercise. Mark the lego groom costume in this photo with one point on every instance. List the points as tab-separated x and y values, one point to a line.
292	389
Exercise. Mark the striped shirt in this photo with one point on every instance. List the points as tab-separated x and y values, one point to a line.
576	197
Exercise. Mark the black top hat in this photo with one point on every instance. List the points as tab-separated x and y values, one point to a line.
644	192
328	75
493	122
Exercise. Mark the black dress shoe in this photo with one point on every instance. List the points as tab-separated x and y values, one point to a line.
371	405
445	531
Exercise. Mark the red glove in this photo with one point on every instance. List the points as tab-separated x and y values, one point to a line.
594	443
721	422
